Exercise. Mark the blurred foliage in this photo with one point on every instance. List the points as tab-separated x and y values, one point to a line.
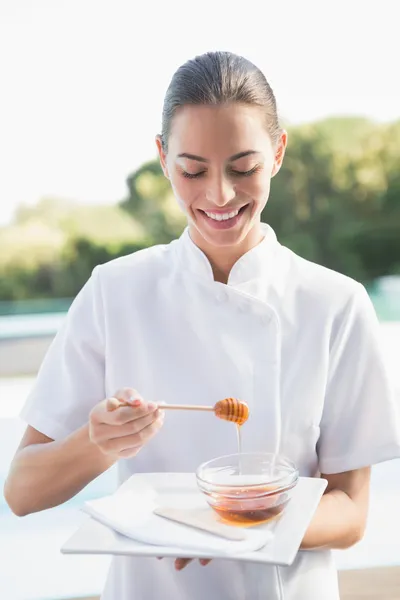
335	201
151	202
50	249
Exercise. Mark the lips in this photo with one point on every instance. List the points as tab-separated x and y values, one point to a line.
222	219
221	216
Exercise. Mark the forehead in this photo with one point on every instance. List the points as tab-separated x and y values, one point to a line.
226	129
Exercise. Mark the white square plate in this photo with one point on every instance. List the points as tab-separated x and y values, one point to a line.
94	538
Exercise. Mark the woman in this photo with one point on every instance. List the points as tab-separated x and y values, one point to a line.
223	311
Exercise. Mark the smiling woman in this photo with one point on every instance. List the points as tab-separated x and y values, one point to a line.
220	146
220	162
225	311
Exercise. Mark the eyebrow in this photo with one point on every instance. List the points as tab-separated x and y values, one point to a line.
231	158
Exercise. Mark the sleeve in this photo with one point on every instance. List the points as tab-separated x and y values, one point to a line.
360	421
71	378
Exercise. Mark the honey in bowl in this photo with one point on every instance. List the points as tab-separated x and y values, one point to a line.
247	489
250	510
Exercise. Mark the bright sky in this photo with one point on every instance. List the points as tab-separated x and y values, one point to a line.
82	81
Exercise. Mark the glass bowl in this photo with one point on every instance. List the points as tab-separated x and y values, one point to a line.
248	489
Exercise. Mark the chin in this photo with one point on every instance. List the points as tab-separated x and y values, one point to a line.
222	239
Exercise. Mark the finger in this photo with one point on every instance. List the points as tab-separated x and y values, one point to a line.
134	441
112	404
121	414
128	395
205	561
181	563
129	453
124	397
143	436
106	431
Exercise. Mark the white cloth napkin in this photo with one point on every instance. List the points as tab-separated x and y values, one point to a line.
131	513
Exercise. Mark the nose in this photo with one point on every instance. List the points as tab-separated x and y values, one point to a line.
220	191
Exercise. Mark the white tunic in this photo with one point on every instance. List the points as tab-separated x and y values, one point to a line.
298	342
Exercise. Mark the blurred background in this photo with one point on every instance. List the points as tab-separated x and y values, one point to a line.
82	86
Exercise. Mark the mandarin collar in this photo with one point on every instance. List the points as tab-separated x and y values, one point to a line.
254	265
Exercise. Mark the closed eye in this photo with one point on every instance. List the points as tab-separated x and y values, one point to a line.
232	171
245	173
192	175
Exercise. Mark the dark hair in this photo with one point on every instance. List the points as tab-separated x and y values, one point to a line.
218	78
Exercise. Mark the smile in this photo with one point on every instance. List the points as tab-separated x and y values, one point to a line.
223	220
222	216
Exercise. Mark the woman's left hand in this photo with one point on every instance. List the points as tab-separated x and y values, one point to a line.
181	563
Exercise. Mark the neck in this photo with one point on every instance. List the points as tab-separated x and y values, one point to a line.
222	258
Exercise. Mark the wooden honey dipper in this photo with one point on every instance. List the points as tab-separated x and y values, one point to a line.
231	409
228	409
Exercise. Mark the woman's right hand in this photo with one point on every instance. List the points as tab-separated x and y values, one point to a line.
121	431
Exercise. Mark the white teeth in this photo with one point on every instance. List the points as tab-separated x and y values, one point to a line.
220	216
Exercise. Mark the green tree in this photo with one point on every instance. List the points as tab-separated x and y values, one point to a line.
151	202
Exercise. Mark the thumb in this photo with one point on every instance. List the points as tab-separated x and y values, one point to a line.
113	404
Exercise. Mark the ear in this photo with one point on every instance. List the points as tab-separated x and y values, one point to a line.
162	156
280	153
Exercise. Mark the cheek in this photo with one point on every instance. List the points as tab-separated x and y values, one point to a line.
185	192
256	188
